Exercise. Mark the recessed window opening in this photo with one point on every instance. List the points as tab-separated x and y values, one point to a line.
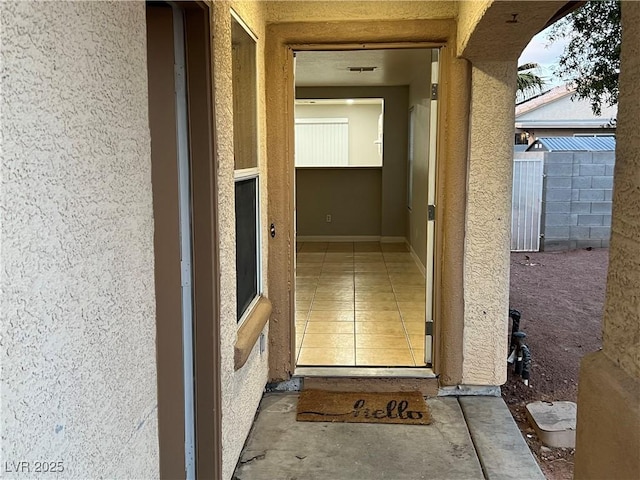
247	173
341	132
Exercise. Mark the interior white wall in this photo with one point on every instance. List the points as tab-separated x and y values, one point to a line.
77	334
420	101
363	128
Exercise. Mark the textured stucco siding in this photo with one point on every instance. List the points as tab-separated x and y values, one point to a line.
242	389
325	11
621	336
488	216
78	307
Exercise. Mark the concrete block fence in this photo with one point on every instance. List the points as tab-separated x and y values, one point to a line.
576	200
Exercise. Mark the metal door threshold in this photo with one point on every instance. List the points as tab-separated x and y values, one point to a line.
366	372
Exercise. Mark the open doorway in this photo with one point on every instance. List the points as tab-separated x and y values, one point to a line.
364	182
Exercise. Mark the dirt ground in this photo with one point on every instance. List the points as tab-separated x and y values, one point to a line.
560	297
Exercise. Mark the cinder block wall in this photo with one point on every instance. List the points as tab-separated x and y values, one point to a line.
576	200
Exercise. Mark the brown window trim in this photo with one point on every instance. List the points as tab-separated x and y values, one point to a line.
250	330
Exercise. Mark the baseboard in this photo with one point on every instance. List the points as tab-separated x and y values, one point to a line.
416	259
338	238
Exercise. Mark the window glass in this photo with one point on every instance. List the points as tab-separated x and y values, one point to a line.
339	132
245	123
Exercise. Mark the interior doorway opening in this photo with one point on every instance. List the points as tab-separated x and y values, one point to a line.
363	221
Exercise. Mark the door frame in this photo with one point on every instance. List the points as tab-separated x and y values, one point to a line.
281	41
205	294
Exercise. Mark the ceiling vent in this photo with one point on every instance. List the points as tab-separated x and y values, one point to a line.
362	69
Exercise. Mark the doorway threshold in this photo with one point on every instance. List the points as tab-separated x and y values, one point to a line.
365	372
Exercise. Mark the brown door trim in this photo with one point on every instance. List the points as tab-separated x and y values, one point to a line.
281	40
206	295
208	399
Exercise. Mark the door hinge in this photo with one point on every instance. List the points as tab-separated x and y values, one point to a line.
434	91
431	212
429	329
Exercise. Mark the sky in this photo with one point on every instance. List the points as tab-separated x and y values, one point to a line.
545	54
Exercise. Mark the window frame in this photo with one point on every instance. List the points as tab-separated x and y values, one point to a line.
249	173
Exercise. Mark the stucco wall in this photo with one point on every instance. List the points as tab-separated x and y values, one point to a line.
621	336
242	389
78	306
313	11
608	427
488	216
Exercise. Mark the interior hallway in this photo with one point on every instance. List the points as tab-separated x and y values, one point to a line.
359	304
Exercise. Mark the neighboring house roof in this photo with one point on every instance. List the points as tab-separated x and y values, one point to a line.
557	109
574	144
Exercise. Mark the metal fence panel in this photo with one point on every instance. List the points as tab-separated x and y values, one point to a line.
526	204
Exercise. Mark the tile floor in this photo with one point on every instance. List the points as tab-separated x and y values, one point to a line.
359	304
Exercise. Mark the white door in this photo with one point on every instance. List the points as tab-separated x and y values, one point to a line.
431	200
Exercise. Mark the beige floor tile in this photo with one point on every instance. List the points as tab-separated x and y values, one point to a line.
330	327
331	316
367	247
373	287
330	268
415	328
375	297
332	305
412	316
331	340
299	340
362	258
418	357
380	328
308	272
417	341
411	306
367	340
342	296
380	268
410	289
306	285
302	315
302	305
306	258
330	288
340	247
394	247
371	277
406	280
376	306
386	358
404	269
314	247
336	280
371	316
326	356
305	295
402	297
339	257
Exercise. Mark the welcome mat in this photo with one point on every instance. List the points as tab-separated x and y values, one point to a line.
408	408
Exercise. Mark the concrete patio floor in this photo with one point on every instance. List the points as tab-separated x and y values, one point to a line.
469	438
